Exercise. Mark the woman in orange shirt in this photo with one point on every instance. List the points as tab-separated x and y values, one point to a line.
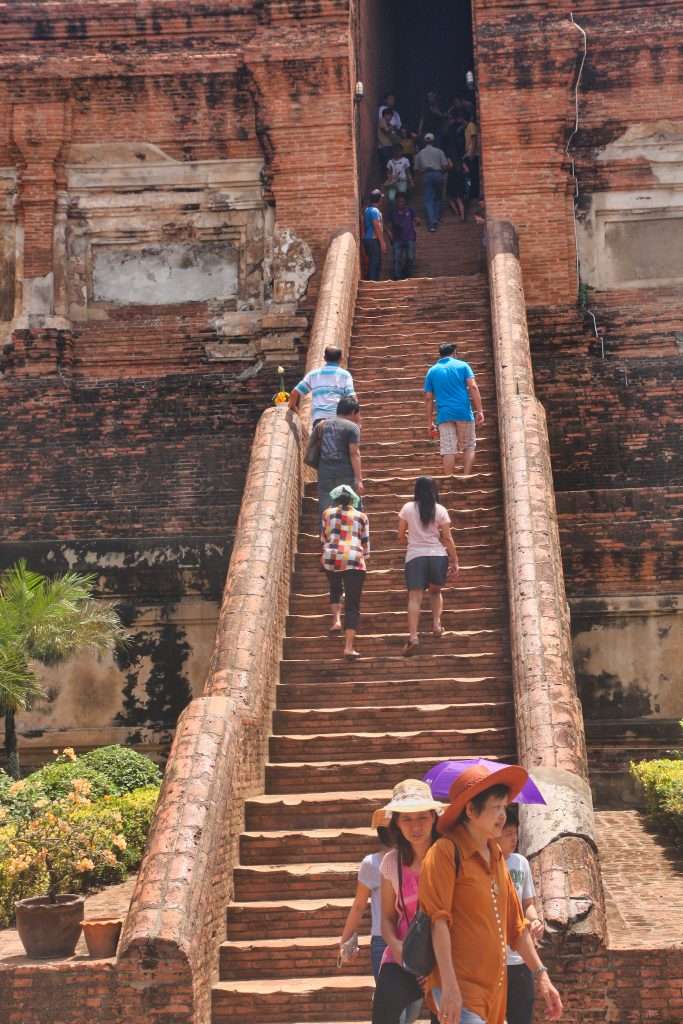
475	910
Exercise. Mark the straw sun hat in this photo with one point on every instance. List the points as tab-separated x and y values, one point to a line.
475	780
410	797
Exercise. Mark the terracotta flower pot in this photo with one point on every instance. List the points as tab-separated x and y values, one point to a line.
102	936
50	929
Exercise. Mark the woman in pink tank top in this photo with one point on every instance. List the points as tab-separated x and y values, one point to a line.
412	829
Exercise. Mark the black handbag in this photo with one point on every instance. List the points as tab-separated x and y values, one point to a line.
418	950
312	453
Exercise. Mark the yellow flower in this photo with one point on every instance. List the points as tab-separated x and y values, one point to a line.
109	858
120	842
16	787
84	864
42	802
281	397
69	753
81	786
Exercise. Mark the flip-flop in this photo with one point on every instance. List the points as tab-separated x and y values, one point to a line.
335	631
438	633
353	656
410	648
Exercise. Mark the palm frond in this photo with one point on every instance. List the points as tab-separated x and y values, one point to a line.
19	685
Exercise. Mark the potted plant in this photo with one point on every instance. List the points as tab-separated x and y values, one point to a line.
63	845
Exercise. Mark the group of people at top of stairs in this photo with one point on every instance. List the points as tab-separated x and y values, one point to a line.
453	407
444	152
459	864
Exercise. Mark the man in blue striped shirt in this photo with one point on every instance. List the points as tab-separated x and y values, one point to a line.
326	385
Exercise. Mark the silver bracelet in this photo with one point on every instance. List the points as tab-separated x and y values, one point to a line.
539	971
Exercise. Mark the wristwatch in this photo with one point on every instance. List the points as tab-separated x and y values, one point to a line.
539	971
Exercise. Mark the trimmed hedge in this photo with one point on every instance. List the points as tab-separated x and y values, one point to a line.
125	769
51	782
662	782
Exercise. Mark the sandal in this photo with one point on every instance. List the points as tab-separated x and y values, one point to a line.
438	632
335	630
410	648
351	655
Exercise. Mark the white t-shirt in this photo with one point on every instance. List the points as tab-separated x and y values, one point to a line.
520	873
395	121
423	540
398	169
369	875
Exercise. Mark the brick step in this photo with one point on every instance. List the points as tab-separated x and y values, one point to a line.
475	547
461	596
320	650
393	666
375	773
386	693
479	493
281	958
312	580
404	403
315	721
346	998
259	882
394	621
400	460
308	846
279	919
335	809
378	428
469	535
436	743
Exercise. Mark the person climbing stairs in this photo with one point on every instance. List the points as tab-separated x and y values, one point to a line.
345	733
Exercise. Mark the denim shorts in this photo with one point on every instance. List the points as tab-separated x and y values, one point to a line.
426	569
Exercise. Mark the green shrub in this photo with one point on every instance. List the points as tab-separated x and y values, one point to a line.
5	782
125	768
52	782
662	782
14	885
136	810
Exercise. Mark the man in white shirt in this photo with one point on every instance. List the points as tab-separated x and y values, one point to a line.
390	104
432	163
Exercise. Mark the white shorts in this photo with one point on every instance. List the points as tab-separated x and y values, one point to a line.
457	437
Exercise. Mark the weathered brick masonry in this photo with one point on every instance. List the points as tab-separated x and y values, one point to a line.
129	132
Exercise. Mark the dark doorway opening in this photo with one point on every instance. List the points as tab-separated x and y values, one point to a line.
433	50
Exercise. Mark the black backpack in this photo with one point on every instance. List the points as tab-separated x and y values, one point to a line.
418	951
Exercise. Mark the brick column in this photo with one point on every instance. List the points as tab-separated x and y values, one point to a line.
38	132
559	838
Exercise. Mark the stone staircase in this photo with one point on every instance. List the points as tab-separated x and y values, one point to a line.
344	734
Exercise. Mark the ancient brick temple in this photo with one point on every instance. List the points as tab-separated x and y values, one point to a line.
180	190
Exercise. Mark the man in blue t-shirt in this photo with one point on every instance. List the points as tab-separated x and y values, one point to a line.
450	383
373	235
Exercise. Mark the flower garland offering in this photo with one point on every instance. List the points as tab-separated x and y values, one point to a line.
282	396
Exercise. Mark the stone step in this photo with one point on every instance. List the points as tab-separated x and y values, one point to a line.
279	919
436	743
464	595
307	846
314	721
385	692
379	772
259	882
394	667
328	809
376	645
313	580
345	998
282	958
388	621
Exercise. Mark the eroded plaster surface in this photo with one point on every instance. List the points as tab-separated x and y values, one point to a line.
635	238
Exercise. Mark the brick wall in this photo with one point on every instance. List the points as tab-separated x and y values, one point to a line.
527	60
38	993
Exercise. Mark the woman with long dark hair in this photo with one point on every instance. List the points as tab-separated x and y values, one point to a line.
412	830
431	559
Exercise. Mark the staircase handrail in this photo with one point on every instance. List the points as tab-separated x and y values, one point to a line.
176	921
559	838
